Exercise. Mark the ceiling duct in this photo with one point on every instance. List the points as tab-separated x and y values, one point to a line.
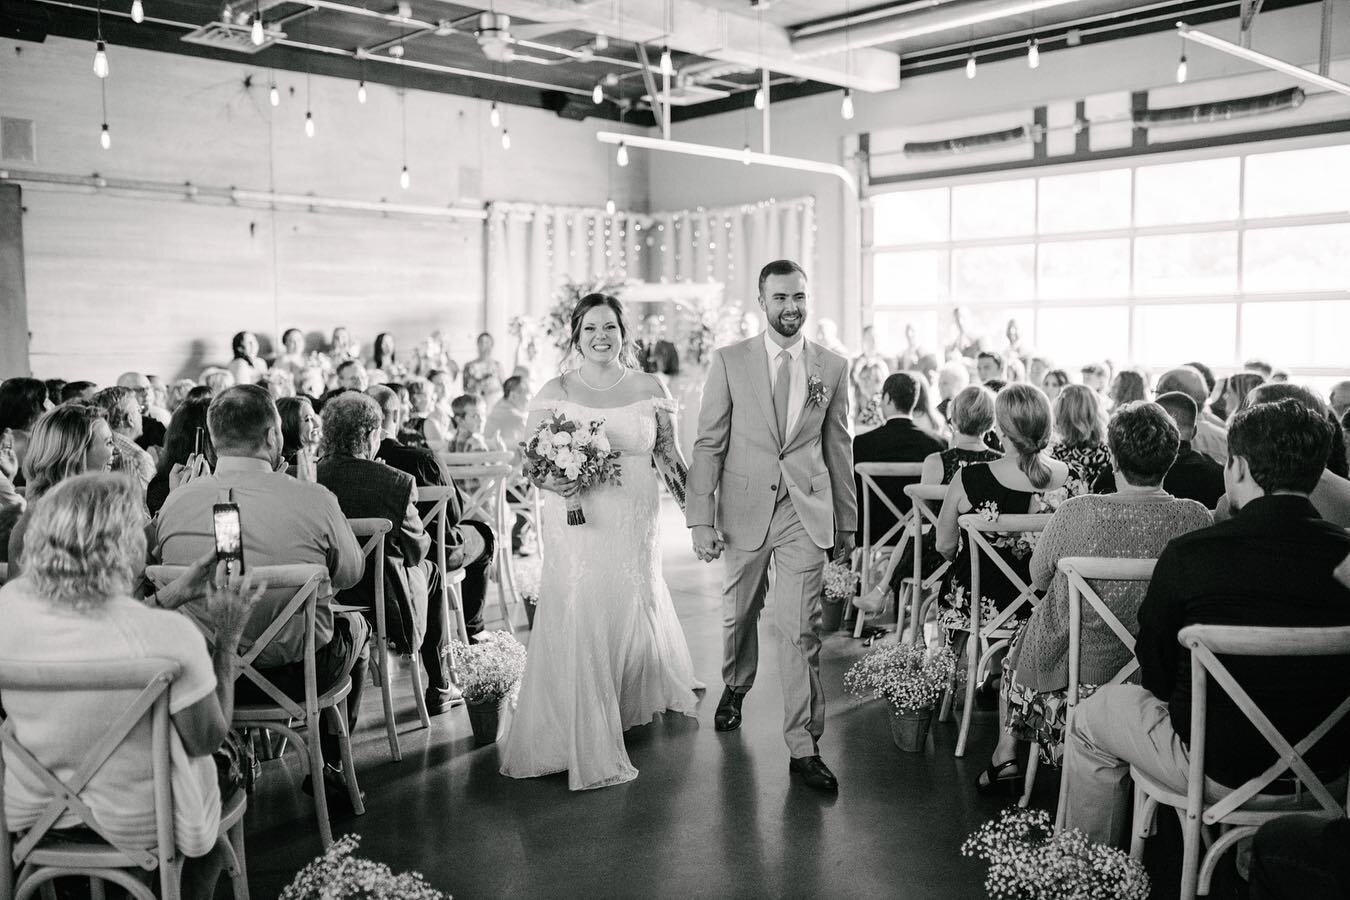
686	92
234	38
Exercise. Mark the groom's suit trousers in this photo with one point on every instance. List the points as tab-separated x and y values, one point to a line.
794	610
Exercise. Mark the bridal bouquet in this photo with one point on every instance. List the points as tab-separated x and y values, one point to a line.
575	451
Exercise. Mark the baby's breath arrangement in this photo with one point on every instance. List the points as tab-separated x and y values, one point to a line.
904	675
337	875
841	582
490	669
1028	861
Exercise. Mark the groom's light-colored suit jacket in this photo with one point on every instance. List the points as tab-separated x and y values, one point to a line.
739	458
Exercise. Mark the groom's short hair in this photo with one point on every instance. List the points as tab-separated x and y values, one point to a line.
902	389
779	267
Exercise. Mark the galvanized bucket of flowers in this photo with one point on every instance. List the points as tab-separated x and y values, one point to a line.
910	680
840	586
489	672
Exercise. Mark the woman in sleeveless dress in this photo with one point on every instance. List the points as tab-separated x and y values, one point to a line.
607	651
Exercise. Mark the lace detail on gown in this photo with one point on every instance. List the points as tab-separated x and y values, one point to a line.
607	651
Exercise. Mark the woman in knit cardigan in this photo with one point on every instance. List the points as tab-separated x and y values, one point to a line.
1137	521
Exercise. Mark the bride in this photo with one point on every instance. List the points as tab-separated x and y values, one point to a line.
607	651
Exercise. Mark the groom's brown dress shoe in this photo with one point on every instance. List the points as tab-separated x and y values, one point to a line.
814	773
728	715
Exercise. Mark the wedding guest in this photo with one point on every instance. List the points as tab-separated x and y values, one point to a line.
1232	390
124	418
1011	484
1080	437
1014	370
86	549
22	401
972	417
54	388
310	382
1129	386
152	430
352	376
1096	377
655	353
1053	382
913	354
385	360
187	452
1272	567
827	335
1206	375
1340	398
1136	523
926	414
1014	349
965	343
78	392
68	441
506	422
952	379
414	418
279	384
200	392
897	440
483	374
342	348
292	358
1211	436
989	366
1279	376
1297	857
301	434
469	414
158	407
177	393
1193	476
1037	367
217	379
247	366
1259	366
12	503
867	397
285	522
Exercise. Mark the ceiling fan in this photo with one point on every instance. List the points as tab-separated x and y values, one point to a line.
496	35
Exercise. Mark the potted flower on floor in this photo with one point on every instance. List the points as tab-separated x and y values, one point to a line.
338	875
910	680
841	584
488	673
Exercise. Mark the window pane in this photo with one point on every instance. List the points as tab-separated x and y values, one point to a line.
1085	269
1296	334
1088	201
1185	264
889	327
1166	336
997	209
1201	191
1298	182
909	217
1072	337
1309	258
993	274
918	276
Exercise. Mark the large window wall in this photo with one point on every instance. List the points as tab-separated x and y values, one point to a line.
1150	261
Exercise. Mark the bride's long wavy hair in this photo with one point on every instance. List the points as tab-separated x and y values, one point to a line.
627	353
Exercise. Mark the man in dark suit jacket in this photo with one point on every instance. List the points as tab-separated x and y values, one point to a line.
898	440
1193	476
366	488
655	354
1271	565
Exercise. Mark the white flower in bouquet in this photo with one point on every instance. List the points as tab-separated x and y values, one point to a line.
562	439
601	443
904	675
841	582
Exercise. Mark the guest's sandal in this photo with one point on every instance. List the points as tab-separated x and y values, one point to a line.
998	775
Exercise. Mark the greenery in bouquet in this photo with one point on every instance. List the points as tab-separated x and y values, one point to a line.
338	875
1028	861
491	668
906	676
841	582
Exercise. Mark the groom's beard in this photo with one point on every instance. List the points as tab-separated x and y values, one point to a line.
787	330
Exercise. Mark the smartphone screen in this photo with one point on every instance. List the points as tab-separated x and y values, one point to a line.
197	441
229	536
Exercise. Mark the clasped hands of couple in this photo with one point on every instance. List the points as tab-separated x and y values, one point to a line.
708	544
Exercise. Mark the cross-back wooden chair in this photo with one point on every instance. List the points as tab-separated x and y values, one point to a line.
896	537
371	533
41	856
925	502
1242	810
486	476
987	638
1080	572
434	521
291	591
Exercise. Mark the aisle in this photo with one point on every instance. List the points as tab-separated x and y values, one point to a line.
711	815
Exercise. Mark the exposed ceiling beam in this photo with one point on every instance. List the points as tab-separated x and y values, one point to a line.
1262	59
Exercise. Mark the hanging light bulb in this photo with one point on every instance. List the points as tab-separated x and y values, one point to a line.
759	98
137	12
403	179
970	66
745	154
101	59
274	95
1182	69
506	139
309	124
846	105
256	34
361	92
597	94
1033	54
104	137
609	207
622	156
495	115
667	62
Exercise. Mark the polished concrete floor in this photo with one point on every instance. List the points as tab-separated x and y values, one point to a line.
710	815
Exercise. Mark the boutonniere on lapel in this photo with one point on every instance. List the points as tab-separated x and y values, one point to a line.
815	390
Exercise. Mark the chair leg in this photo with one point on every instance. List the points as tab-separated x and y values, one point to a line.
972	670
239	871
1062	804
1145	808
1029	780
1229	838
1190	863
96	891
419	690
460	625
387	697
314	753
339	714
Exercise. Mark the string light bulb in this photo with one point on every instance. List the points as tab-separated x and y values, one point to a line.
495	115
1033	54
256	33
105	138
361	92
621	157
846	105
404	179
309	124
274	95
597	94
137	12
1182	69
667	62
759	98
101	59
506	139
609	207
970	66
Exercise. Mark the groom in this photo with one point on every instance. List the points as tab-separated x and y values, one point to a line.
773	472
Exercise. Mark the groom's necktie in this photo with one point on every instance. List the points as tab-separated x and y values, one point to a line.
782	387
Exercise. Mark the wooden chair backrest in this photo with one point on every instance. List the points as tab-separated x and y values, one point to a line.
868	473
478	458
976	527
486	500
1081	571
371	534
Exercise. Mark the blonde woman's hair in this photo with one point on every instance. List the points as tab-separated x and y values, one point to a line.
1023	415
972	411
1080	418
58	446
85	542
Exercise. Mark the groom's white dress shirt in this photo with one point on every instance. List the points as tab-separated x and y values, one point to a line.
797	393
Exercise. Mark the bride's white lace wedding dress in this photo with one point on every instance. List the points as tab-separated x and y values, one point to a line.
607	651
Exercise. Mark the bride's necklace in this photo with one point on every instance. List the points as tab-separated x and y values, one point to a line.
623	373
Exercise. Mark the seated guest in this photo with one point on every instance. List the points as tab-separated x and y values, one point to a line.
187	453
415	429
1080	437
22	401
310	382
152	430
1053	382
68	441
292	359
1193	476
85	551
1260	367
972	416
952	379
247	366
1037	367
468	414
926	415
1211	434
1232	391
158	407
867	402
1095	377
352	376
78	392
124	417
285	522
1301	857
898	440
178	392
366	489
301	433
1270	566
506	422
1129	386
1137	522
989	367
1340	399
12	503
54	388
217	380
1009	485
280	385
